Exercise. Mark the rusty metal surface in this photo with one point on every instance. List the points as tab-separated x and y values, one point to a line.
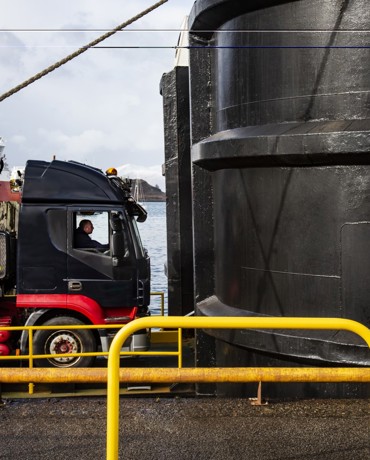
187	375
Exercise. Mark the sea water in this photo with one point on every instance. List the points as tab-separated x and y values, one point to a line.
153	237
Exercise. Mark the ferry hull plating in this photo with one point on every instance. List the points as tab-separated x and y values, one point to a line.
280	156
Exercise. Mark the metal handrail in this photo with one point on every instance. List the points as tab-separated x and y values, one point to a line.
161	295
149	375
31	356
204	323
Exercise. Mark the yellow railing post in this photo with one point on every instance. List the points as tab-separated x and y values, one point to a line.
31	386
202	323
161	295
179	347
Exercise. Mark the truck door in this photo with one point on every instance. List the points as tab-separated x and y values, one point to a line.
104	270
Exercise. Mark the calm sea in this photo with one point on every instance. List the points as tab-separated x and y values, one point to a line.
153	236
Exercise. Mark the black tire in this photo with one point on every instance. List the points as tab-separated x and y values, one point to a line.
64	341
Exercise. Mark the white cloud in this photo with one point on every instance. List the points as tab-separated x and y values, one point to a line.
102	108
18	139
78	146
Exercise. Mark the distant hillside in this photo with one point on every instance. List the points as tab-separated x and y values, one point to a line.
142	191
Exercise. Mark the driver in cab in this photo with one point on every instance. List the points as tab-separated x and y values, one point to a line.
83	239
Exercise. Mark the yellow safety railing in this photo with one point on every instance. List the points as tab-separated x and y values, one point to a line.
223	374
161	295
87	376
31	356
187	375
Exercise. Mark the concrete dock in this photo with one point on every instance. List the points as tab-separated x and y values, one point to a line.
186	428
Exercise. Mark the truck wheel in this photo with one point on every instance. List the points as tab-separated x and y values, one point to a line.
64	341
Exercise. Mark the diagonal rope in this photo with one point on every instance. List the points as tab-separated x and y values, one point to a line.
80	51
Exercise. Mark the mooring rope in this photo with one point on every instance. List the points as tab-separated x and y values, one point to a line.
80	51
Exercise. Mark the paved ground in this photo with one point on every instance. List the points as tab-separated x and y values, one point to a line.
186	428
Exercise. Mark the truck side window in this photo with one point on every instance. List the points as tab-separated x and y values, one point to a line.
91	231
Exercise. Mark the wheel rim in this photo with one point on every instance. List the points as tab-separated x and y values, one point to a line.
63	342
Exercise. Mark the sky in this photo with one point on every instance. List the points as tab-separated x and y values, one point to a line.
104	107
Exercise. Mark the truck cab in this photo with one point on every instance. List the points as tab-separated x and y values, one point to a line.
58	281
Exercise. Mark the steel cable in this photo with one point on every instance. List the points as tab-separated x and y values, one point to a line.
80	51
